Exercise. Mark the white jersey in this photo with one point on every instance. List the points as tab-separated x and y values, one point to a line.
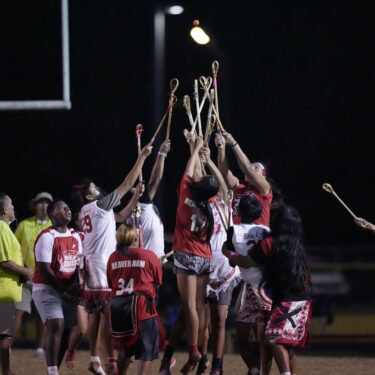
245	236
222	271
99	227
152	228
253	294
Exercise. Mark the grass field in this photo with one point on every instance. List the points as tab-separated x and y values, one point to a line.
23	363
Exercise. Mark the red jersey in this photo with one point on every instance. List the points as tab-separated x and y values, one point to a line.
134	270
265	200
187	236
59	249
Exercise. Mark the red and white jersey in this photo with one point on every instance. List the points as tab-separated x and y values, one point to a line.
245	236
152	228
99	227
59	249
133	270
187	236
265	200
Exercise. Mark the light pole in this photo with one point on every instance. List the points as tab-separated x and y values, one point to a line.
161	10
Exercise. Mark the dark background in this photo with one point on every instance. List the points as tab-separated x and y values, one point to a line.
294	89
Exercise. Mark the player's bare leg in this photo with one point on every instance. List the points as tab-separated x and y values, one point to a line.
204	364
143	367
94	340
243	333
187	287
292	360
218	319
281	355
5	344
123	363
265	349
78	331
55	329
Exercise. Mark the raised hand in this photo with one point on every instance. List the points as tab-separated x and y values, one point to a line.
146	151
165	146
219	141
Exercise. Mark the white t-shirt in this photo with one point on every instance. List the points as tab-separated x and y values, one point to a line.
99	227
152	228
44	248
245	236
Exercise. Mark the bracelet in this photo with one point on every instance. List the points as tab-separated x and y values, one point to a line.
234	144
163	154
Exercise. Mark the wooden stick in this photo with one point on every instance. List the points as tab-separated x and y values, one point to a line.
165	256
187	107
138	131
196	97
172	101
328	188
215	69
160	125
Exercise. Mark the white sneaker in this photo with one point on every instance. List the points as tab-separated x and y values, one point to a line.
39	353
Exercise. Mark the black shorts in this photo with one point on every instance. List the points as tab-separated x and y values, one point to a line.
147	346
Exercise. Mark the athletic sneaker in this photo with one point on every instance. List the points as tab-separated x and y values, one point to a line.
70	358
203	366
96	368
191	363
166	365
39	353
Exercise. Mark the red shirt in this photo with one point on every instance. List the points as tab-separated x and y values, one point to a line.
186	235
265	200
59	249
134	270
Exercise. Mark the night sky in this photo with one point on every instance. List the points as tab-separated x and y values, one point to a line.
294	89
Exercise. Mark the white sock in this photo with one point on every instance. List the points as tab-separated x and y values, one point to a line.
285	373
95	359
254	371
52	370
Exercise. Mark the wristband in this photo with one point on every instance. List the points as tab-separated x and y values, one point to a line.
163	154
234	144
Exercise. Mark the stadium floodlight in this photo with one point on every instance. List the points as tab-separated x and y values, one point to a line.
64	103
174	9
199	35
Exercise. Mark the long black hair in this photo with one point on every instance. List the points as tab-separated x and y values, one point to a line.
201	192
286	271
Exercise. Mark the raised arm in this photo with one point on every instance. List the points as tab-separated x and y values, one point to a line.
134	173
245	165
190	166
215	171
157	171
230	180
122	215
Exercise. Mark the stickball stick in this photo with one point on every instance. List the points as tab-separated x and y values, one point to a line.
328	188
172	101
138	131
